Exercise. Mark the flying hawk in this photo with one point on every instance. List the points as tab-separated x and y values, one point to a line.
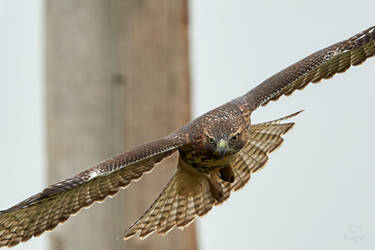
218	152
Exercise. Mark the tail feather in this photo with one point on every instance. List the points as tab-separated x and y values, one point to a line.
186	197
264	138
183	199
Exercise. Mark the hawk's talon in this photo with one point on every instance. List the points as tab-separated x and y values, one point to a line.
226	174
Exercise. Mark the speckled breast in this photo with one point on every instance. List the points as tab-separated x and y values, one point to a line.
204	162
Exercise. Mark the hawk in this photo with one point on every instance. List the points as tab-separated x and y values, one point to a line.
218	152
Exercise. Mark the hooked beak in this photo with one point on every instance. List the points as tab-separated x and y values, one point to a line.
222	147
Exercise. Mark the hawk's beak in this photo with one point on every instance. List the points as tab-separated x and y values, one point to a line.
222	147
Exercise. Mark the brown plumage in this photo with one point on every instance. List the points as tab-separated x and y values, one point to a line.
218	152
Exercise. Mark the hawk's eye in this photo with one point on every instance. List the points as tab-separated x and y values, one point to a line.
234	138
212	141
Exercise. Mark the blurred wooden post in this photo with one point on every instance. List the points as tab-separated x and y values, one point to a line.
117	75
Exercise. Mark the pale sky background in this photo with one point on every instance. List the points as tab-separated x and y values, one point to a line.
317	191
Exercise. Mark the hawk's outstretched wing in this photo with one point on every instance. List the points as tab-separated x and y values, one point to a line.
322	64
54	205
188	195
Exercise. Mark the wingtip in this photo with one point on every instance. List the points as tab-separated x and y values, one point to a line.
294	114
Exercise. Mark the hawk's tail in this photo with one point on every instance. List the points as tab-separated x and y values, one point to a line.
264	139
186	197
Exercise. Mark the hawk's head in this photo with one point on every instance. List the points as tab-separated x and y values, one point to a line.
225	134
225	143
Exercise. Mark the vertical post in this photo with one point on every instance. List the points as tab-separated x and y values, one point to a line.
117	76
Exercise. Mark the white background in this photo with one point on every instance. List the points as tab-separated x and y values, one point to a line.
317	189
22	139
